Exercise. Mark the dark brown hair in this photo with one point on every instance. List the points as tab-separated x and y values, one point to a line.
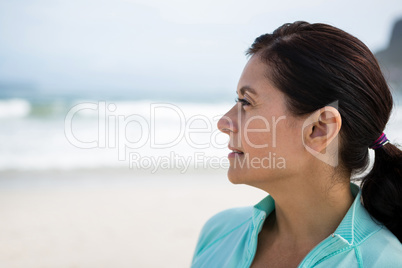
315	65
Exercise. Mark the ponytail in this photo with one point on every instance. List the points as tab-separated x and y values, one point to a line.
382	188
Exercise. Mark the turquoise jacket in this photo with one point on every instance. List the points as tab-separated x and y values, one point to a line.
229	239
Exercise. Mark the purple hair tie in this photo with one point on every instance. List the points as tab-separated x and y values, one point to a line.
380	142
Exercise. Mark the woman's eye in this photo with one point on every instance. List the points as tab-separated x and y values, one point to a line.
243	102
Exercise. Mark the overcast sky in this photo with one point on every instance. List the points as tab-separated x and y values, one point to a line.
180	46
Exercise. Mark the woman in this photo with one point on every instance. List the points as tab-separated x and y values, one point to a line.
311	101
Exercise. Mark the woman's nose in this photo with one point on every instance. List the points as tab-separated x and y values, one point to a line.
228	122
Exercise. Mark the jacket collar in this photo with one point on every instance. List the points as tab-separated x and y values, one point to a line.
355	227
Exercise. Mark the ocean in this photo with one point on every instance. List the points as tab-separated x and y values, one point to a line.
91	134
149	134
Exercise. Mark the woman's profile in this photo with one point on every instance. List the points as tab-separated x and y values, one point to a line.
313	98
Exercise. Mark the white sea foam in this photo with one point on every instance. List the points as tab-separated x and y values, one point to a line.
14	108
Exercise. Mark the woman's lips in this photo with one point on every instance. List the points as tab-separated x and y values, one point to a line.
235	153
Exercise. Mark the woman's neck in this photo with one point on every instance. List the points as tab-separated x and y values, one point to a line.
306	212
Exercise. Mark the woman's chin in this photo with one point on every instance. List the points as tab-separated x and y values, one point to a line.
235	176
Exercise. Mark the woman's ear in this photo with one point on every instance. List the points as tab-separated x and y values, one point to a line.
321	128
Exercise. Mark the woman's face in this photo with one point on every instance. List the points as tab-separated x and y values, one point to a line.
264	137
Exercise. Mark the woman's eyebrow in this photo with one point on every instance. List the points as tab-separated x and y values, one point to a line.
247	88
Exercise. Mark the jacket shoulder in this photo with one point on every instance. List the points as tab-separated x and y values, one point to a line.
382	249
222	224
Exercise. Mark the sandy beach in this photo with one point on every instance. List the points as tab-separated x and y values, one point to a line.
110	218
